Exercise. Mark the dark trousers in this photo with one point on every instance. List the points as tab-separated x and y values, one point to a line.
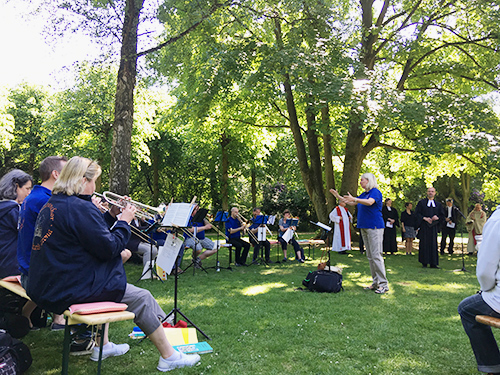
299	252
258	245
481	338
238	243
447	232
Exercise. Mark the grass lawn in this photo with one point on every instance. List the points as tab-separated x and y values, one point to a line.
259	323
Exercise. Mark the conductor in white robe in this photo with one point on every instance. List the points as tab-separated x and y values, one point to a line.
342	230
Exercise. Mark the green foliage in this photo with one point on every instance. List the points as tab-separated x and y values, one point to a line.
30	111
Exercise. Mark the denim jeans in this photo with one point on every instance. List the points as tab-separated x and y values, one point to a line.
481	338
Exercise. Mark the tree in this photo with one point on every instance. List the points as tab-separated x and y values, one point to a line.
107	20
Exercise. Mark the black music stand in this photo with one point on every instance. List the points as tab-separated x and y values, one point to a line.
221	217
176	310
149	231
261	220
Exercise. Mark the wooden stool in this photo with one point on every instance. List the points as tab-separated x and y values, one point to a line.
89	319
488	320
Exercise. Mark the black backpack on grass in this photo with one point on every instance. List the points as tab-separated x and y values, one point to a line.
15	356
323	281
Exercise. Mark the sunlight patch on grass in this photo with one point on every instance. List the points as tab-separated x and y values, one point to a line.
447	287
261	289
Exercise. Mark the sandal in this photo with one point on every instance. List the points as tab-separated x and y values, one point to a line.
371	287
381	290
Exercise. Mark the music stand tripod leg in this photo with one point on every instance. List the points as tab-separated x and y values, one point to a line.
176	310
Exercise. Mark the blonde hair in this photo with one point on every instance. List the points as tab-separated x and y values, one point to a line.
70	180
372	181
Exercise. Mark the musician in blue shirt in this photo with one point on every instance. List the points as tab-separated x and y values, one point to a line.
283	225
234	227
254	228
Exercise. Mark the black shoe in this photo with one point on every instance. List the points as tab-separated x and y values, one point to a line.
424	265
442	252
269	261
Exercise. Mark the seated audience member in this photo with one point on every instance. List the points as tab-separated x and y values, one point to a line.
234	227
487	301
76	259
49	170
283	226
14	188
198	230
254	228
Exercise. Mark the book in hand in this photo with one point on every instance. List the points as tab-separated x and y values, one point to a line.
199	348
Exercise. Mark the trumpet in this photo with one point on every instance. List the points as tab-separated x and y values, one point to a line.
143	212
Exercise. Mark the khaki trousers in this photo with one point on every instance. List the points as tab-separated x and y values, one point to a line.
373	239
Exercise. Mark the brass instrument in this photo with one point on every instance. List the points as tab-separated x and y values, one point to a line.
245	222
218	230
143	212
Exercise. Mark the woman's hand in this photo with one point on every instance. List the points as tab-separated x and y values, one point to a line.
128	213
335	194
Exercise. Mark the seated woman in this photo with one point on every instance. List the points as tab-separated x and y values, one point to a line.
14	187
284	225
76	259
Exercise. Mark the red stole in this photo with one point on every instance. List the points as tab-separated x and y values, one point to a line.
341	225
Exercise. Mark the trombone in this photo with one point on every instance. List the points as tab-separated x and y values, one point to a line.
143	212
247	230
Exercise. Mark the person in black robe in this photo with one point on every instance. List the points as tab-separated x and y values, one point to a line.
391	221
430	215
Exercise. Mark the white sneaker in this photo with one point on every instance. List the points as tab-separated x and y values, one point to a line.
109	350
184	360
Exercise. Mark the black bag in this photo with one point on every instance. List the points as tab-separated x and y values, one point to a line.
15	356
323	281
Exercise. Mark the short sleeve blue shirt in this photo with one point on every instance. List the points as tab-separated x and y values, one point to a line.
370	217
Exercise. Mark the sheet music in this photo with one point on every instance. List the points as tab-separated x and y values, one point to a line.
178	214
324	226
167	254
389	225
261	233
271	219
288	235
449	224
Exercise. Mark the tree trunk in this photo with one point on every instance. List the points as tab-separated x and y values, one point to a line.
254	187
224	142
124	101
328	165
311	176
156	177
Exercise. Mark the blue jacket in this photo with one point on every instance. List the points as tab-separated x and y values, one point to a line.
27	219
75	257
9	215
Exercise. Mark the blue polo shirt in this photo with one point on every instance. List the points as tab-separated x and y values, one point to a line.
370	217
199	234
233	224
30	208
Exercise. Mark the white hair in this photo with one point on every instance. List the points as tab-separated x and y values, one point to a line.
372	181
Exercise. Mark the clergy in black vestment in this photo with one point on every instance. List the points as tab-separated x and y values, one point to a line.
430	215
391	221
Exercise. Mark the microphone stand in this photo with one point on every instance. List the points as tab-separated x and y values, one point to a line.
463	269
